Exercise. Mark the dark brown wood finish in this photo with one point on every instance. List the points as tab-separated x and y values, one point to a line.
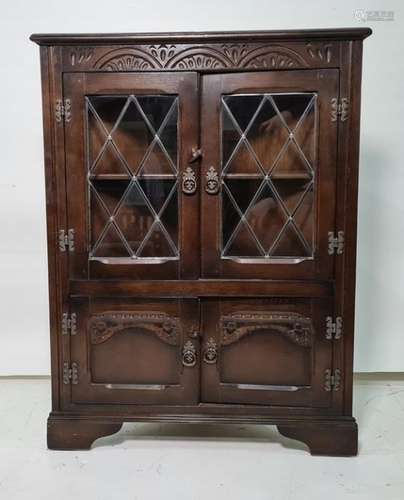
200	339
252	342
324	83
148	338
76	87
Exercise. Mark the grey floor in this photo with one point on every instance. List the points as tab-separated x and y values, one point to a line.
190	462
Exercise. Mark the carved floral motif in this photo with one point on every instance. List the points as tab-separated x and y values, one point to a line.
235	52
103	326
320	51
200	57
127	62
293	326
162	52
80	55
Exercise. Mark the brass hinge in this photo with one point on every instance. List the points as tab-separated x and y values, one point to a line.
336	243
333	328
339	108
63	110
332	381
66	241
69	324
70	373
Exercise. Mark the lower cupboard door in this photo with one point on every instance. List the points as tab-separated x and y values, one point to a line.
130	351
266	352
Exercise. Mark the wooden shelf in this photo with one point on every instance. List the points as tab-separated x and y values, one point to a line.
122	177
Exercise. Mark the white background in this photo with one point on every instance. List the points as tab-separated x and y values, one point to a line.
24	345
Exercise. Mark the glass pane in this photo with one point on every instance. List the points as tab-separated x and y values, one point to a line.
304	217
230	217
157	244
132	154
267	135
134	217
109	163
291	192
156	192
291	164
291	107
230	136
156	163
243	244
168	134
268	175
242	108
289	244
243	191
266	217
156	109
242	162
169	217
109	193
111	244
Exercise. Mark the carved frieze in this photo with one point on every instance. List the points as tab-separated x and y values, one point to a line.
103	326
295	327
212	56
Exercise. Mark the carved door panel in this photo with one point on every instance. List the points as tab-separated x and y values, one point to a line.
269	171
135	351
266	351
129	140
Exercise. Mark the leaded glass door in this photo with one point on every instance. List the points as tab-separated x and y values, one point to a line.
128	141
269	169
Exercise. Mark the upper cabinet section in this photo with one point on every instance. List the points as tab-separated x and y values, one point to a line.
202	51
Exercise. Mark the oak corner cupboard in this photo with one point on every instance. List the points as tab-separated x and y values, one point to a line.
201	213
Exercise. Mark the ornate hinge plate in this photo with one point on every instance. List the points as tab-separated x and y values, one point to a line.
69	324
66	241
336	243
339	108
332	381
70	373
333	328
63	110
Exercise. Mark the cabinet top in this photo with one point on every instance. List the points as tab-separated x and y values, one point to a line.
199	37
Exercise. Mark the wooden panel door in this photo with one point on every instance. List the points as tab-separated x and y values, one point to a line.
266	351
135	351
269	171
129	138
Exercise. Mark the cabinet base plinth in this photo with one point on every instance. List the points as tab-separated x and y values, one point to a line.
338	439
334	437
77	434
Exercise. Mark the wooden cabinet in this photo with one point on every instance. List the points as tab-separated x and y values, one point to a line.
201	209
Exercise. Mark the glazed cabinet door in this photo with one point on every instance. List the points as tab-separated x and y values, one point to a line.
129	140
266	351
269	174
134	351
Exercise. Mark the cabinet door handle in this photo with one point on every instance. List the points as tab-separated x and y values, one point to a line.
194	332
212	181
189	354
210	352
196	154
